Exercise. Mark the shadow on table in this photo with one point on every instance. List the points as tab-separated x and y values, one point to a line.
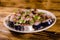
45	35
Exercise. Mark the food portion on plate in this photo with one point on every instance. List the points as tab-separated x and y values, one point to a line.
29	20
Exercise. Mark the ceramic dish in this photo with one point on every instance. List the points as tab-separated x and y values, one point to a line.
44	25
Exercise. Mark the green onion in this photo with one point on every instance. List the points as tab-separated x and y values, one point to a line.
31	22
27	12
35	17
40	13
22	21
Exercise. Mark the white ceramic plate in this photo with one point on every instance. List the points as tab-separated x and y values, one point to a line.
47	12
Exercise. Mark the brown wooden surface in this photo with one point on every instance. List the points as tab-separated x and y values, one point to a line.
8	6
50	34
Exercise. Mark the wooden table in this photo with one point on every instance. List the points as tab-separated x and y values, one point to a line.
52	33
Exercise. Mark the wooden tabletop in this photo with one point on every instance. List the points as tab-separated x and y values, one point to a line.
49	34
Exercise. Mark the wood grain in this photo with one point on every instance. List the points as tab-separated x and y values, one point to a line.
50	34
8	6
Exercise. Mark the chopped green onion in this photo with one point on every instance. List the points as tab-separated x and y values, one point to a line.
40	13
27	13
35	17
31	22
16	23
22	21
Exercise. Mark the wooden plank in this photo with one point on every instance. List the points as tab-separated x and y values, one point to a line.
55	1
52	5
55	6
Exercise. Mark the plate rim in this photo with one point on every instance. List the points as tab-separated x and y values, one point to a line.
30	31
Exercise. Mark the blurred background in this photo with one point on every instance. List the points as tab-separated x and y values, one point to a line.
51	5
43	4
